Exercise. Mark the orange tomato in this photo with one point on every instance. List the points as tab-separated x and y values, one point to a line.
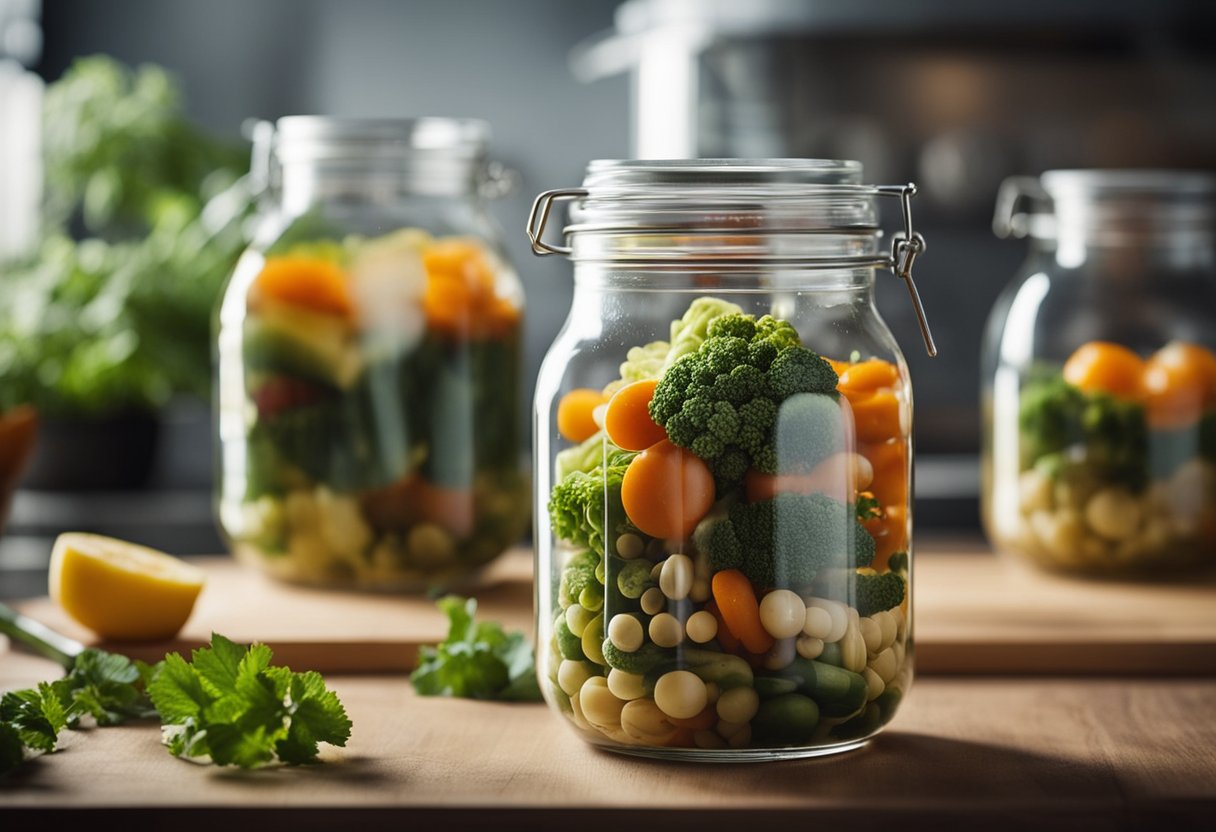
890	534
574	413
1100	366
1179	380
627	419
869	375
461	298
875	416
666	491
314	284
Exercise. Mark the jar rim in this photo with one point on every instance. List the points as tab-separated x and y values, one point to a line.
606	177
314	137
1096	182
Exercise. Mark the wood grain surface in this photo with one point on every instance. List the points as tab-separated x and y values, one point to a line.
973	613
962	753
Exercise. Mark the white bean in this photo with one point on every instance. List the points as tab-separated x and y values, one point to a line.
871	634
666	630
885	665
577	618
702	626
653	601
571	675
809	647
839	614
680	694
863	471
818	623
889	627
625	632
700	591
629	546
712	692
901	622
1113	513
853	648
782	613
600	707
627	686
738	705
874	685
675	577
656	570
1034	491
644	723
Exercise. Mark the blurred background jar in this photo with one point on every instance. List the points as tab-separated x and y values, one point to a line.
1099	386
369	360
723	460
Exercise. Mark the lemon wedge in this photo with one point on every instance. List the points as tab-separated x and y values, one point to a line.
120	590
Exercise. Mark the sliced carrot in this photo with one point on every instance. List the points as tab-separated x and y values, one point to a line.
627	419
838	366
319	285
1179	381
1100	366
740	610
869	375
728	640
575	419
666	491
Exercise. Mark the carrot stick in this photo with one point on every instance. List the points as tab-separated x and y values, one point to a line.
740	609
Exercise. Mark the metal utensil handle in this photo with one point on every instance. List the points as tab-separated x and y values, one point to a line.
906	246
539	216
39	637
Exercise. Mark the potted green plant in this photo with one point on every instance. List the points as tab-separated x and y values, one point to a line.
109	317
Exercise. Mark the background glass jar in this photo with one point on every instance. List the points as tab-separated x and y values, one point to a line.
369	361
722	463
1100	375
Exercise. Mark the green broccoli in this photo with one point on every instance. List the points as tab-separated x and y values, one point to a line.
579	503
723	401
785	541
878	591
578	581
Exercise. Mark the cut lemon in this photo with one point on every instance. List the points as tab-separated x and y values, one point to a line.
120	590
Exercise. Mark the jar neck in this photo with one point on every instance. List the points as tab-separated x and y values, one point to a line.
1179	251
851	285
301	185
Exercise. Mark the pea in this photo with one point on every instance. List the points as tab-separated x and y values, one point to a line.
787	719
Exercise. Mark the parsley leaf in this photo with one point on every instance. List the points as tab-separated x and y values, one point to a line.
36	716
478	660
106	686
230	706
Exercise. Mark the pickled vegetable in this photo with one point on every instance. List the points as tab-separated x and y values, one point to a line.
1117	459
729	574
381	387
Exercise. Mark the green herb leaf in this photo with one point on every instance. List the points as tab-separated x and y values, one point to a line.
231	706
12	750
476	661
105	686
37	716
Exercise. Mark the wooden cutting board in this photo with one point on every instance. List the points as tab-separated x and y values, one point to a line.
974	613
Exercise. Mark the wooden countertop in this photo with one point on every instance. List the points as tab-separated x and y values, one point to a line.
1071	747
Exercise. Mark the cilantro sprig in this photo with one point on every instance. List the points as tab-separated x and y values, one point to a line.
478	660
227	706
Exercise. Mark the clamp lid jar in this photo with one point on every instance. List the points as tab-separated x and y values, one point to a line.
369	395
723	462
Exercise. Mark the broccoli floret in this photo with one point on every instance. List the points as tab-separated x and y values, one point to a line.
810	428
1105	432
784	542
578	503
578	577
879	591
723	400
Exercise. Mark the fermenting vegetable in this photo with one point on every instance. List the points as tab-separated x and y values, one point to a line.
729	541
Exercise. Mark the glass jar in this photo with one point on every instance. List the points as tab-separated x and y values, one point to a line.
722	463
1099	383
369	395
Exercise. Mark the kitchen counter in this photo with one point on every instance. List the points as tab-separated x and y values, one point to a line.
996	751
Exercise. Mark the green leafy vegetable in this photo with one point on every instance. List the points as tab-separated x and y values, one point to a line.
232	708
229	706
478	660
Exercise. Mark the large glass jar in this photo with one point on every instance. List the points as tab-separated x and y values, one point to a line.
1100	376
722	463
369	395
